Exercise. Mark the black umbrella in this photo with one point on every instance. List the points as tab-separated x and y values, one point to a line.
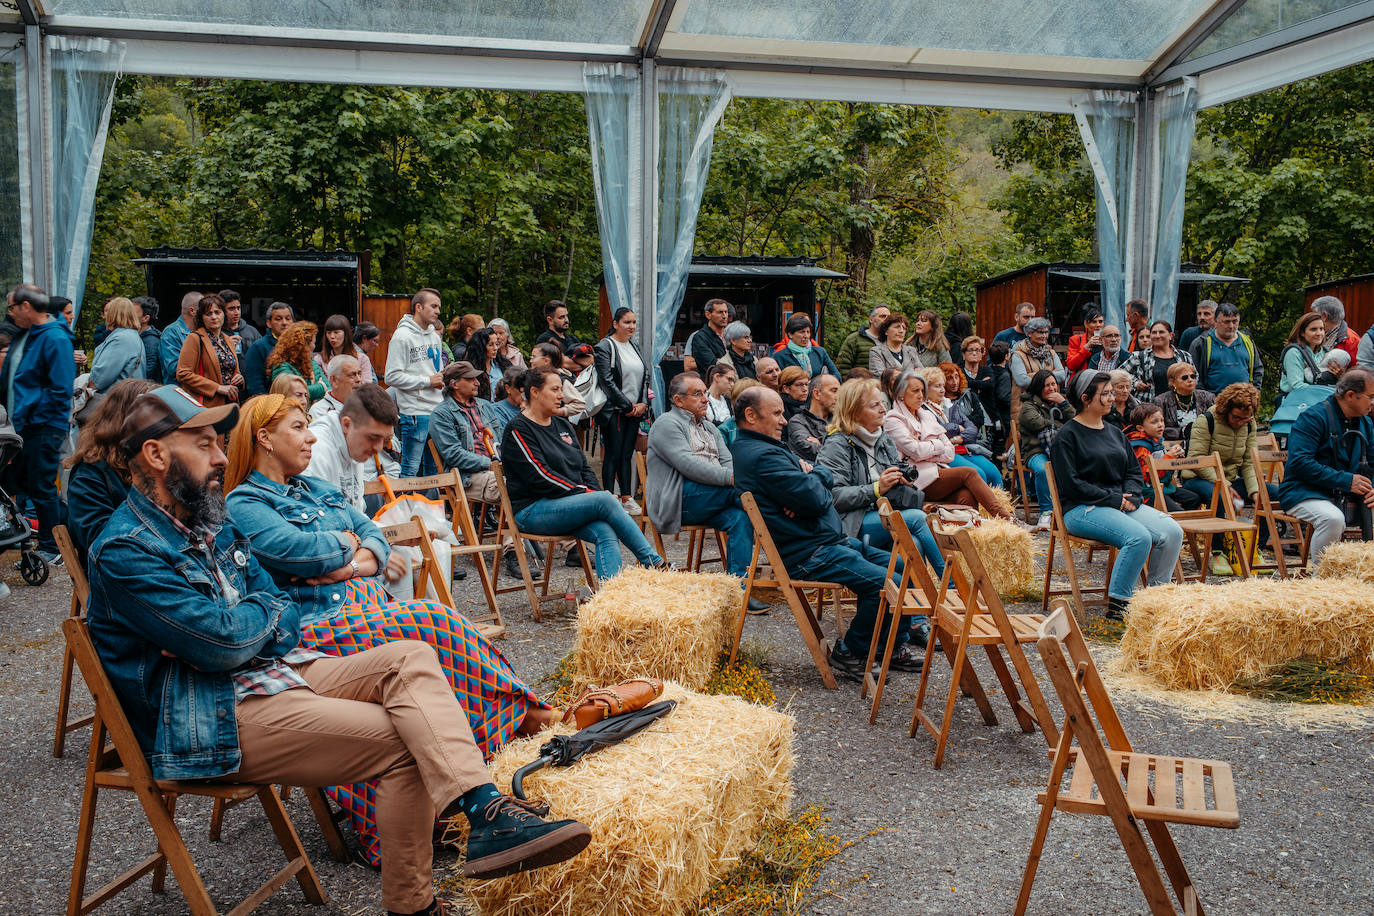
565	750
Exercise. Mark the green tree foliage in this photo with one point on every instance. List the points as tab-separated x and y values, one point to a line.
486	196
854	185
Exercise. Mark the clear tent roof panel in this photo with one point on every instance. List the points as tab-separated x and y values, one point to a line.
1124	30
611	22
1258	18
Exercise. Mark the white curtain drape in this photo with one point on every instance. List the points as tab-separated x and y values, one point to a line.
1177	107
1107	121
613	123
81	89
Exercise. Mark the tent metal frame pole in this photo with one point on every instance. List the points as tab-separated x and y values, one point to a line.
647	294
1187	43
38	157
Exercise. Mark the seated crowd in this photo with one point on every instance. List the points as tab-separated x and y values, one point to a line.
265	588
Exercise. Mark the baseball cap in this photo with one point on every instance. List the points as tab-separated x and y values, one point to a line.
581	351
460	368
167	409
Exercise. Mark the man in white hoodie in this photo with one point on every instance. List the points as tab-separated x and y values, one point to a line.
413	369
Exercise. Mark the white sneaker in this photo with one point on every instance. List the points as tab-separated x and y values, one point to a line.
1044	524
632	507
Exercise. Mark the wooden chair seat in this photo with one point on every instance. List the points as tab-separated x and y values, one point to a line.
1204	522
1207	799
983	629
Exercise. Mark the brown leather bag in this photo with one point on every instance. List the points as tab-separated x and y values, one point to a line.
600	703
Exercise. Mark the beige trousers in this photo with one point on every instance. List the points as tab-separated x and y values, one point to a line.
386	714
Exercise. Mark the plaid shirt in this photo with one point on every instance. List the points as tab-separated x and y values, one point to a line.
273	675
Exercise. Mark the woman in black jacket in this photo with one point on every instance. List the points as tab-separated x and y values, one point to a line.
552	488
623	374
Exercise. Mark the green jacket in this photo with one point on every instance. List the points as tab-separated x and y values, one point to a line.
1233	445
854	351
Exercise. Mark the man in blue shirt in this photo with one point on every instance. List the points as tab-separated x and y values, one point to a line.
1016	333
175	334
254	363
1226	355
795	501
38	375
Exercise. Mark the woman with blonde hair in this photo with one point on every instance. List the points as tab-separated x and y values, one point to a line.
120	354
866	467
334	562
208	366
921	439
294	354
292	386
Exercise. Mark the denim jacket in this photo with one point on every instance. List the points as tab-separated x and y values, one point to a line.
155	589
296	532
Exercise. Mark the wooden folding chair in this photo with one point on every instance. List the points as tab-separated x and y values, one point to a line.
772	573
477	507
1269	464
1020	470
901	598
450	484
81	591
122	766
1115	780
1202	523
978	618
696	534
415	533
518	539
1059	535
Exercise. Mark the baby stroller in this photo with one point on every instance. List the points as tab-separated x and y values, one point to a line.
14	528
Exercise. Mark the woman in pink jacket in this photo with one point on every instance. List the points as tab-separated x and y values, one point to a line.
920	437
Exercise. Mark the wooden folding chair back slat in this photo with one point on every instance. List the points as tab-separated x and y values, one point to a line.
1060	537
510	531
766	570
696	534
906	597
450	484
81	591
415	533
1020	471
1112	779
1203	522
977	618
122	766
1269	464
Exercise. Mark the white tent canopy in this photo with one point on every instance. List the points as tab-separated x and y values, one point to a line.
1034	55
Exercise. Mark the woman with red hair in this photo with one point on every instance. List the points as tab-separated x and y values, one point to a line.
294	354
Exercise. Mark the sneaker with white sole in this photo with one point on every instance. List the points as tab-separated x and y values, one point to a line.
632	507
1044	524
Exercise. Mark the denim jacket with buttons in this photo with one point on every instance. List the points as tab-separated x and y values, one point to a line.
154	588
297	532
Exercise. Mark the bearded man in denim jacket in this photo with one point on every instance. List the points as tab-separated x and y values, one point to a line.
203	651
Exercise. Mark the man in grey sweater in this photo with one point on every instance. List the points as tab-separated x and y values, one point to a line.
691	476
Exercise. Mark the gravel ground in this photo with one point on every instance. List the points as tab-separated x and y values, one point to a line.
924	841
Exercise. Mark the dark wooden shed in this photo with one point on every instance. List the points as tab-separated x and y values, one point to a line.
1062	289
1355	293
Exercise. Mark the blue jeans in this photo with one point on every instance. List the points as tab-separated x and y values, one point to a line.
872	533
1144	533
862	570
415	459
35	475
1042	484
985	468
719	507
595	517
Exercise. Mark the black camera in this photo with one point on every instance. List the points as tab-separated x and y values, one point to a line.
909	472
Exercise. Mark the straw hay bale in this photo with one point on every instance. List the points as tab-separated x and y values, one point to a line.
648	623
1349	560
1008	554
1003	500
1207	637
671	810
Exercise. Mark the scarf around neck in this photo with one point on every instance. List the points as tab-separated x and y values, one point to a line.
803	354
869	439
1336	336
